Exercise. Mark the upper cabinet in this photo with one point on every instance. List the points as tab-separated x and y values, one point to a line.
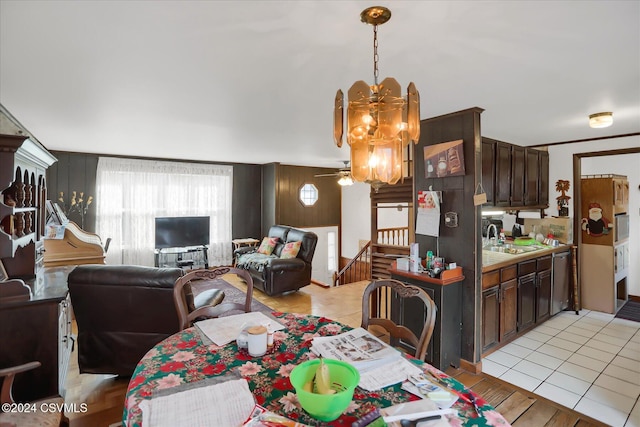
502	174
514	176
488	169
517	175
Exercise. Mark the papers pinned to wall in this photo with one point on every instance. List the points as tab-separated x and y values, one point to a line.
428	218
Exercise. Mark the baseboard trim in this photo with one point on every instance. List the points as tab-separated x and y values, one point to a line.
474	368
635	298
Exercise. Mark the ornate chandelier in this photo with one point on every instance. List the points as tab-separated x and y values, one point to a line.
380	121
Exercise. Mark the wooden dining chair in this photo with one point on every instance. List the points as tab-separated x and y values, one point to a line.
381	306
33	418
183	286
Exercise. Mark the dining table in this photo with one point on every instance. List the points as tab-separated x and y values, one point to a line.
189	357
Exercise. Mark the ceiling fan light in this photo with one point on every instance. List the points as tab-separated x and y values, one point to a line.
345	180
601	120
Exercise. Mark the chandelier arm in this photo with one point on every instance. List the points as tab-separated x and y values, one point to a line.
375	54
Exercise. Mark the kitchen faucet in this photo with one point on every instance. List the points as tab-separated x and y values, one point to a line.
495	233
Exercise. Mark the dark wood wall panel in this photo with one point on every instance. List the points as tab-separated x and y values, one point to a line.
247	201
269	179
74	172
289	208
77	171
460	244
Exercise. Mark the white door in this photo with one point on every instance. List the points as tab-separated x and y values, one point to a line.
325	258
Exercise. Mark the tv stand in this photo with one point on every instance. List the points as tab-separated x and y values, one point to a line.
190	258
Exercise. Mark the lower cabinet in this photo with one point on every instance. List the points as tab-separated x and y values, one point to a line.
37	330
444	347
526	300
514	299
543	289
508	309
490	318
499	306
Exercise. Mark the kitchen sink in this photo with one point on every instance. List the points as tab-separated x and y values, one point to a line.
512	249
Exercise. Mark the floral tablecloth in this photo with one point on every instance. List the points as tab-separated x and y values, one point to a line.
184	358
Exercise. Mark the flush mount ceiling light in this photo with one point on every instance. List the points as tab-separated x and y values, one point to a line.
381	123
601	120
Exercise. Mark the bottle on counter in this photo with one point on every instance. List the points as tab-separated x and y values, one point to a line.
429	264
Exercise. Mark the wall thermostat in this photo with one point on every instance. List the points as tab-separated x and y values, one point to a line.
451	219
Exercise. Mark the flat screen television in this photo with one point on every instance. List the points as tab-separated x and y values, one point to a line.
182	231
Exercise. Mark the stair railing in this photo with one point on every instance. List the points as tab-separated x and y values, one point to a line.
357	269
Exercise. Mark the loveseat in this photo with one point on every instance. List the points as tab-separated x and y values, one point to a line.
274	275
122	311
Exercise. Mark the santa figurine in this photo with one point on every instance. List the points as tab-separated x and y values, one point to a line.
596	225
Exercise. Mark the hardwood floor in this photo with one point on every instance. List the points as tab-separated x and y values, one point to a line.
104	394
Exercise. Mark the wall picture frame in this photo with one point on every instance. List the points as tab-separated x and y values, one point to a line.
444	159
3	273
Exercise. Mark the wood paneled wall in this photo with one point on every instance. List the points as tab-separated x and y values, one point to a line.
74	172
77	171
460	244
284	182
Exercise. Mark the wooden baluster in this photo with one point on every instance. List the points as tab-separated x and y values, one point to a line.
19	225
28	222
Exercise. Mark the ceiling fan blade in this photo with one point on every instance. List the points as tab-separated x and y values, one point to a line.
326	174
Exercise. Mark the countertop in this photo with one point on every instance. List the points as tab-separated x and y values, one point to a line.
494	260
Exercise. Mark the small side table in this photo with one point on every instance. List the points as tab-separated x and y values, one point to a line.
238	243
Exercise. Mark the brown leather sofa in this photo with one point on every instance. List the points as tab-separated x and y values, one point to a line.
276	276
122	311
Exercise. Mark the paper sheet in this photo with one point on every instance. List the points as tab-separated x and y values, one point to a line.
223	330
193	407
388	374
415	410
428	218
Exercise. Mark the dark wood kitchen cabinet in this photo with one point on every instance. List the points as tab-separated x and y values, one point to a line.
543	178
502	192
489	168
514	176
531	181
499	309
526	294
444	347
543	288
490	318
518	167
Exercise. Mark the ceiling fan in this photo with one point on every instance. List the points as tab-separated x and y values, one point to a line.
343	174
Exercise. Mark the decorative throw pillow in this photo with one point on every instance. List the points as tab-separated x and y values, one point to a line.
290	250
268	245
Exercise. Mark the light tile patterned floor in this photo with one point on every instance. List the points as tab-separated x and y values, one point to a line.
589	362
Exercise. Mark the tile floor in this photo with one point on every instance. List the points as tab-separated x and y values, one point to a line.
589	362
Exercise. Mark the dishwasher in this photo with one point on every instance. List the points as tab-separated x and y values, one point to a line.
561	280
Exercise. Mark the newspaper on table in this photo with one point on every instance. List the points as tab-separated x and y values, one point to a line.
223	330
357	347
190	404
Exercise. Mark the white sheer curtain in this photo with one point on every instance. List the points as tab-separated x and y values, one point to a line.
131	193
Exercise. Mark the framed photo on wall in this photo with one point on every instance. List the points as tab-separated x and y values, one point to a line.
3	273
444	159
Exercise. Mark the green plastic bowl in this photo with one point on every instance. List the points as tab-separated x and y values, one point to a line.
325	407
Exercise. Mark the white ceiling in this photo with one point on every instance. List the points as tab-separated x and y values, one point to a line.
254	81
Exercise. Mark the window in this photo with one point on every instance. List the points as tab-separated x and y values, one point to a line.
308	194
131	193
